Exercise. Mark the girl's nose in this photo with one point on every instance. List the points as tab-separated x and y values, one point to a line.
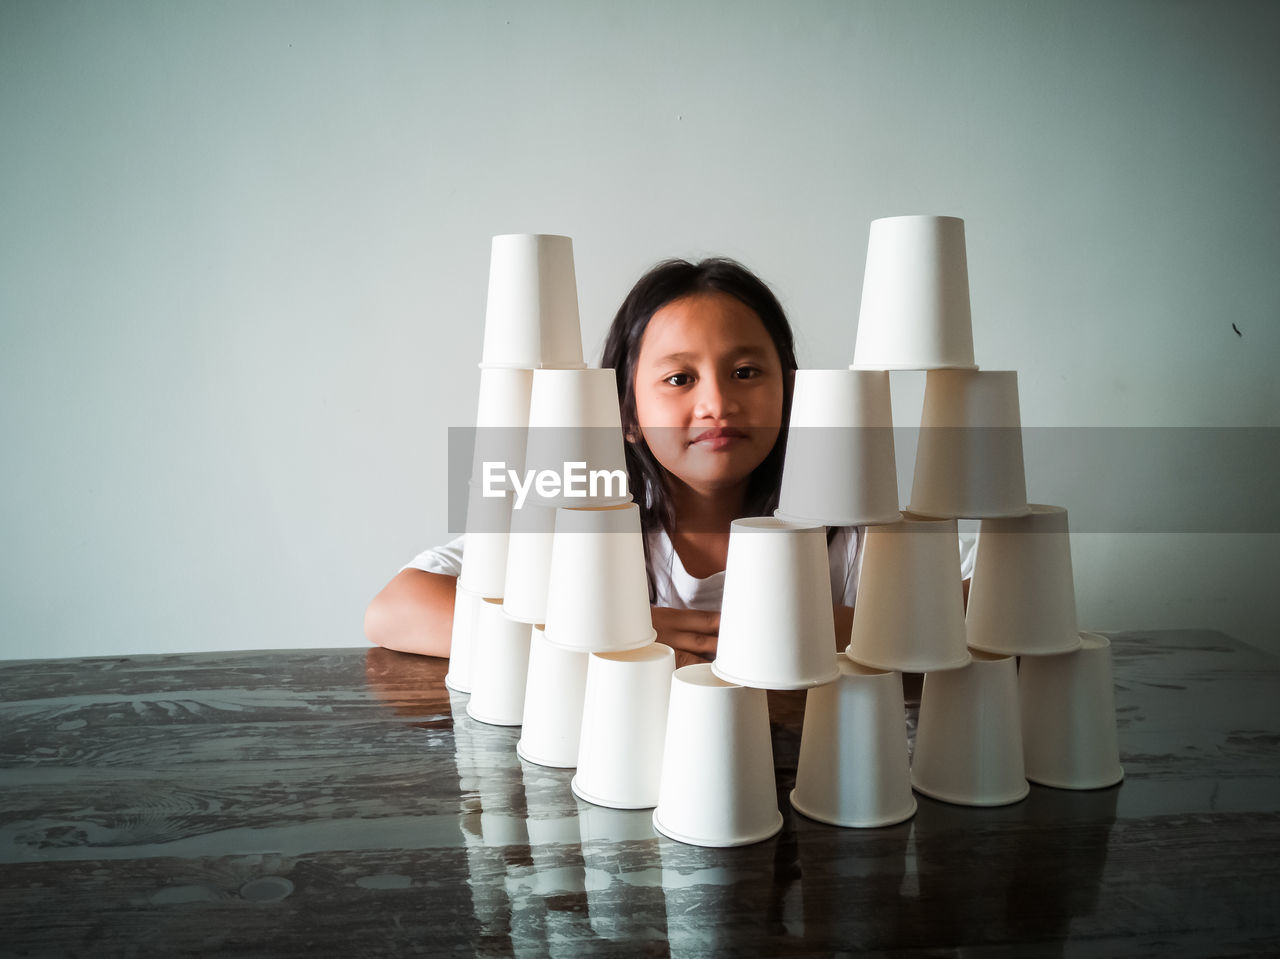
714	400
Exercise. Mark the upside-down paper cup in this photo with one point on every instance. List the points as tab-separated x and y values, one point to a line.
553	698
968	737
1022	598
529	562
915	311
1069	717
776	621
499	668
502	424
598	590
718	786
484	551
853	768
624	721
531	316
462	640
840	467
910	612
969	460
574	418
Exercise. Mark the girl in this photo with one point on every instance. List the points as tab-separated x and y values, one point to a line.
705	364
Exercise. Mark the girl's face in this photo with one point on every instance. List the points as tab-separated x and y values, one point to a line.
708	389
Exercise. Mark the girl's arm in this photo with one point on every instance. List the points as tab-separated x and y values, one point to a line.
413	613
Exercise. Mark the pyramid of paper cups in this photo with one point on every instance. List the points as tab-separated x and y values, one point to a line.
985	727
552	627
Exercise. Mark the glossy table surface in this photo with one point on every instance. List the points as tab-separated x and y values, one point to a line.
338	802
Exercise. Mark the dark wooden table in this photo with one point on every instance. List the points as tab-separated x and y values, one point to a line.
338	803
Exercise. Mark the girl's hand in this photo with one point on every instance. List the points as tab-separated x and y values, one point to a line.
692	633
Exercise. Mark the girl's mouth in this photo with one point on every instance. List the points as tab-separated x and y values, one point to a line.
718	439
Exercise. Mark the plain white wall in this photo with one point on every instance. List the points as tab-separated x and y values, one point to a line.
243	259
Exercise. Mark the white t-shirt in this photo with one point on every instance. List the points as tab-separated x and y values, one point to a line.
675	588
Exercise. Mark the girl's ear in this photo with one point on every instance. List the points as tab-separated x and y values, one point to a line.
632	434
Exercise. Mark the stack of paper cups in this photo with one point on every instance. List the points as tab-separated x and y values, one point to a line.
499	668
718	786
598	590
969	460
575	425
1069	717
968	737
910	612
531	318
1022	599
553	698
915	296
853	768
840	467
462	641
623	726
776	620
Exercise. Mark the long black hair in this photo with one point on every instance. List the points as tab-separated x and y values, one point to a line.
667	282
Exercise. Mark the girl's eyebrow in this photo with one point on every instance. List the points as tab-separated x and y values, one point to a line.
748	351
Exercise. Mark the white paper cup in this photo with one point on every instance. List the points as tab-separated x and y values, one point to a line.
910	612
718	785
499	668
1069	717
969	459
624	720
529	563
462	640
502	422
553	698
776	623
853	768
915	296
484	551
968	737
840	466
1022	599
574	419
531	316
598	590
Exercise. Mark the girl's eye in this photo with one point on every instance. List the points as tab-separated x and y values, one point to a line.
746	372
678	379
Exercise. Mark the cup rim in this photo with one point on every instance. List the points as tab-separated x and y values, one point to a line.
1059	650
772	524
585	796
653	634
1082	784
856	520
902	367
888	819
529	756
911	667
958	799
746	839
799	683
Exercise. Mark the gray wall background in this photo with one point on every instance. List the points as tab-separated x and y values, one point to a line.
244	249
